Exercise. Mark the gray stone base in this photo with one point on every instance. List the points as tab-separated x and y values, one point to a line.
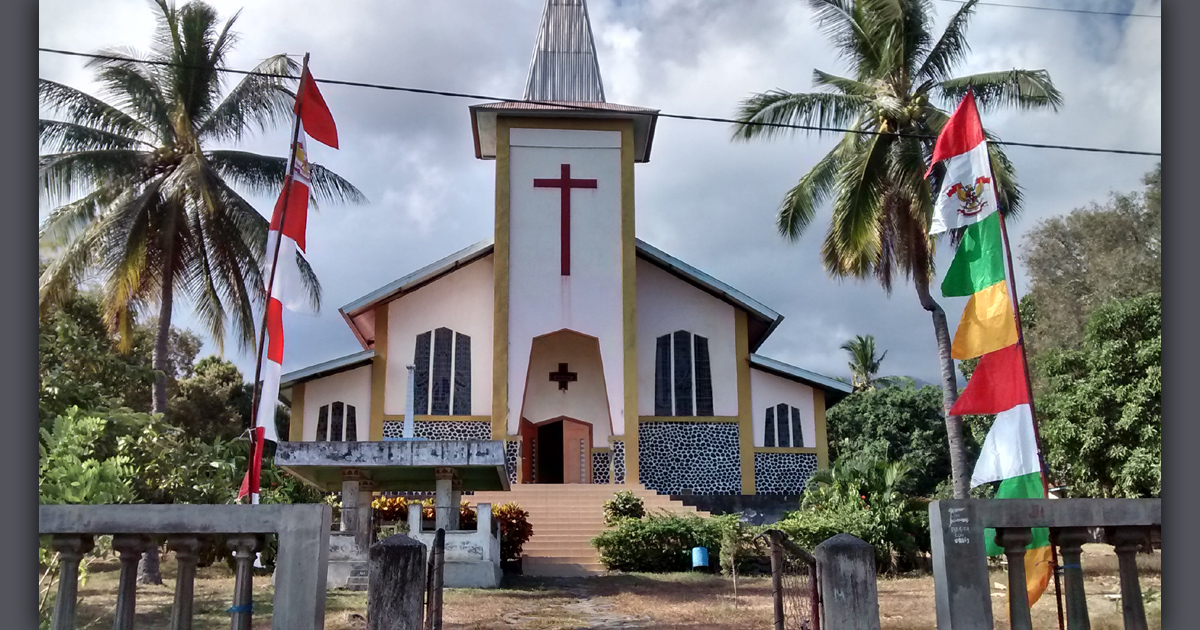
472	575
347	563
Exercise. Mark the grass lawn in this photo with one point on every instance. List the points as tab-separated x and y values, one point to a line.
679	600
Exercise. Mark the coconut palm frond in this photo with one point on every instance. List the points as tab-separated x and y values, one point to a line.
261	174
63	175
65	137
256	102
88	111
760	115
951	48
844	85
1022	89
312	286
67	221
801	202
852	246
134	87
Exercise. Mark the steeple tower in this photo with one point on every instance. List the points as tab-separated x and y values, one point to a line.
564	65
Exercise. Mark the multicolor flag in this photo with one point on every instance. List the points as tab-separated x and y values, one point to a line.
988	329
287	234
968	192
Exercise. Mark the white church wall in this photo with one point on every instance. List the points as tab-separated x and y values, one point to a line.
585	399
768	390
666	304
352	387
541	299
461	301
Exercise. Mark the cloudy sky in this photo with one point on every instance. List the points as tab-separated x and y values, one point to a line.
704	199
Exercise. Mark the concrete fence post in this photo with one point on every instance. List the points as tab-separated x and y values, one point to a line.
396	590
846	573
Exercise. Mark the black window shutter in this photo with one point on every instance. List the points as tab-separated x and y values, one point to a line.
335	428
781	415
797	429
769	434
704	393
462	375
683	373
421	374
351	424
662	376
439	398
323	424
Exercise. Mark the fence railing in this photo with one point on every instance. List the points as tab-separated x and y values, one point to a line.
960	569
300	564
794	587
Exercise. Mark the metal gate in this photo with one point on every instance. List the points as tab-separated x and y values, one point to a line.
794	587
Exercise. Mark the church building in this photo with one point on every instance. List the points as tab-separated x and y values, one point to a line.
596	357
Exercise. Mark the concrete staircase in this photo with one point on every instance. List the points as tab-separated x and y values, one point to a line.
565	518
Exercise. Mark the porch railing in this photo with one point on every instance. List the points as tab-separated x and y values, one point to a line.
960	569
300	565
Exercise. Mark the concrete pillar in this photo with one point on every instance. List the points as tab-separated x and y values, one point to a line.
846	574
443	499
187	553
130	547
356	506
1014	540
415	518
962	590
243	547
70	551
483	517
396	592
1126	541
1071	540
455	504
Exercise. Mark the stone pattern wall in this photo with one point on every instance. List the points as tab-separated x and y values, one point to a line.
618	460
702	457
512	459
600	460
442	430
783	473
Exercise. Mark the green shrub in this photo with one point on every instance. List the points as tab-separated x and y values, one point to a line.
659	543
515	529
623	505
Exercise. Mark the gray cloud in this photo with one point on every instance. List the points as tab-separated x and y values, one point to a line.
702	198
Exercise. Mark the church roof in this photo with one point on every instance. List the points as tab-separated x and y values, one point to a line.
835	389
762	320
333	366
564	65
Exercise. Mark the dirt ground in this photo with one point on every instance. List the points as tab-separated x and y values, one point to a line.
686	600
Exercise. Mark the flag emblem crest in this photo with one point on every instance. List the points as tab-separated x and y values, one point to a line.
971	198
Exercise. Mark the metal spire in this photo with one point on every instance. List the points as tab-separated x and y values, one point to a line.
564	65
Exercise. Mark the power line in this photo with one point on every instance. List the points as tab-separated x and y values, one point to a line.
1056	9
581	107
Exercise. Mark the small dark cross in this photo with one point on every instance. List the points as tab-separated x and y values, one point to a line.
565	184
562	376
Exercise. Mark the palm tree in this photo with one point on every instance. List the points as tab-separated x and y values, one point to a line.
875	175
144	203
147	208
864	364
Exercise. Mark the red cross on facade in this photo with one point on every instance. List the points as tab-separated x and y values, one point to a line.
562	376
565	184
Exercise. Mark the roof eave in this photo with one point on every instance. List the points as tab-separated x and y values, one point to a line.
333	366
835	388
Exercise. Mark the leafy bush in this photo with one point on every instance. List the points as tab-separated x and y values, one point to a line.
515	529
390	509
624	504
659	543
70	470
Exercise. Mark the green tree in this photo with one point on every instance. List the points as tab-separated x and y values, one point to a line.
214	403
898	424
144	200
1095	254
881	202
864	365
1100	411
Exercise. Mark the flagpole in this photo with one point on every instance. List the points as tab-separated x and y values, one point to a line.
257	447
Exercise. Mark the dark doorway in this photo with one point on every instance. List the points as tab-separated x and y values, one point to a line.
550	452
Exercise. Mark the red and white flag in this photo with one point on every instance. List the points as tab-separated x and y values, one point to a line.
289	222
968	192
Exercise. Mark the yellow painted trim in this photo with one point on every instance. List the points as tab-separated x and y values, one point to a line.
296	425
745	410
379	372
391	417
601	449
819	423
629	297
692	419
785	449
500	265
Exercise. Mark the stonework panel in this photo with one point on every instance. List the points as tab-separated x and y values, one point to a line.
442	430
783	473
618	461
700	457
600	460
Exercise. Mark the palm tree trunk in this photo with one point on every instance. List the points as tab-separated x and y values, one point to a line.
149	571
954	436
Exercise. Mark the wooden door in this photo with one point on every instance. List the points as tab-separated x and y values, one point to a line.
528	433
577	451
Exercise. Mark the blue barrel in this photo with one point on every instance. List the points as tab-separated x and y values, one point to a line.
699	557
